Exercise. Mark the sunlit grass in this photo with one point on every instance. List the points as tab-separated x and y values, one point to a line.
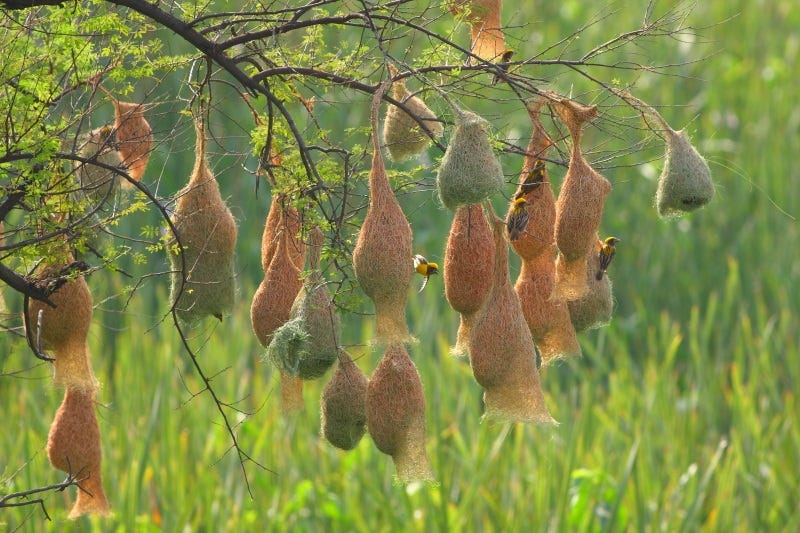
693	429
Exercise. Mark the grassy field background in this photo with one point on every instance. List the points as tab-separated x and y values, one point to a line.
681	415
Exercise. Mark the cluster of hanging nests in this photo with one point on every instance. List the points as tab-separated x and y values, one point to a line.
562	288
507	331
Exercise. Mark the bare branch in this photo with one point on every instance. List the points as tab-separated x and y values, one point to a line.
25	286
72	479
24	4
244	457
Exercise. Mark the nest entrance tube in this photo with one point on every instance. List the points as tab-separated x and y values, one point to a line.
685	182
579	207
344	405
548	319
502	352
396	414
207	232
383	251
73	446
402	134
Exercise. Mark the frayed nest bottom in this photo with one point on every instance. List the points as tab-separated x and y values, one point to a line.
595	308
570	281
411	461
91	498
291	394
558	343
390	319
518	398
460	350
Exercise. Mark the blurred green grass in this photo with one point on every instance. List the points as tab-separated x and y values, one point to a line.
682	414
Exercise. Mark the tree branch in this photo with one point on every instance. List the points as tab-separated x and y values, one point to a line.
25	286
186	31
24	4
71	479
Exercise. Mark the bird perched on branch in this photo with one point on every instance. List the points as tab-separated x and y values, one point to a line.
607	252
424	268
504	59
517	219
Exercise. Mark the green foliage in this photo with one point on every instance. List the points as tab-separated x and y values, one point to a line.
689	387
52	60
592	494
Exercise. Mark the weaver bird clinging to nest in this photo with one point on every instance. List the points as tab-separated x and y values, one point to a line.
517	219
607	252
534	178
424	268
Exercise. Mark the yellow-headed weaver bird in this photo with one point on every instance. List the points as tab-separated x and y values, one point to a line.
505	58
534	178
607	252
517	219
424	268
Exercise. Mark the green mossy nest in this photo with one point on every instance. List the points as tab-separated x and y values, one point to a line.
306	345
289	345
402	134
207	232
685	183
343	406
469	171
